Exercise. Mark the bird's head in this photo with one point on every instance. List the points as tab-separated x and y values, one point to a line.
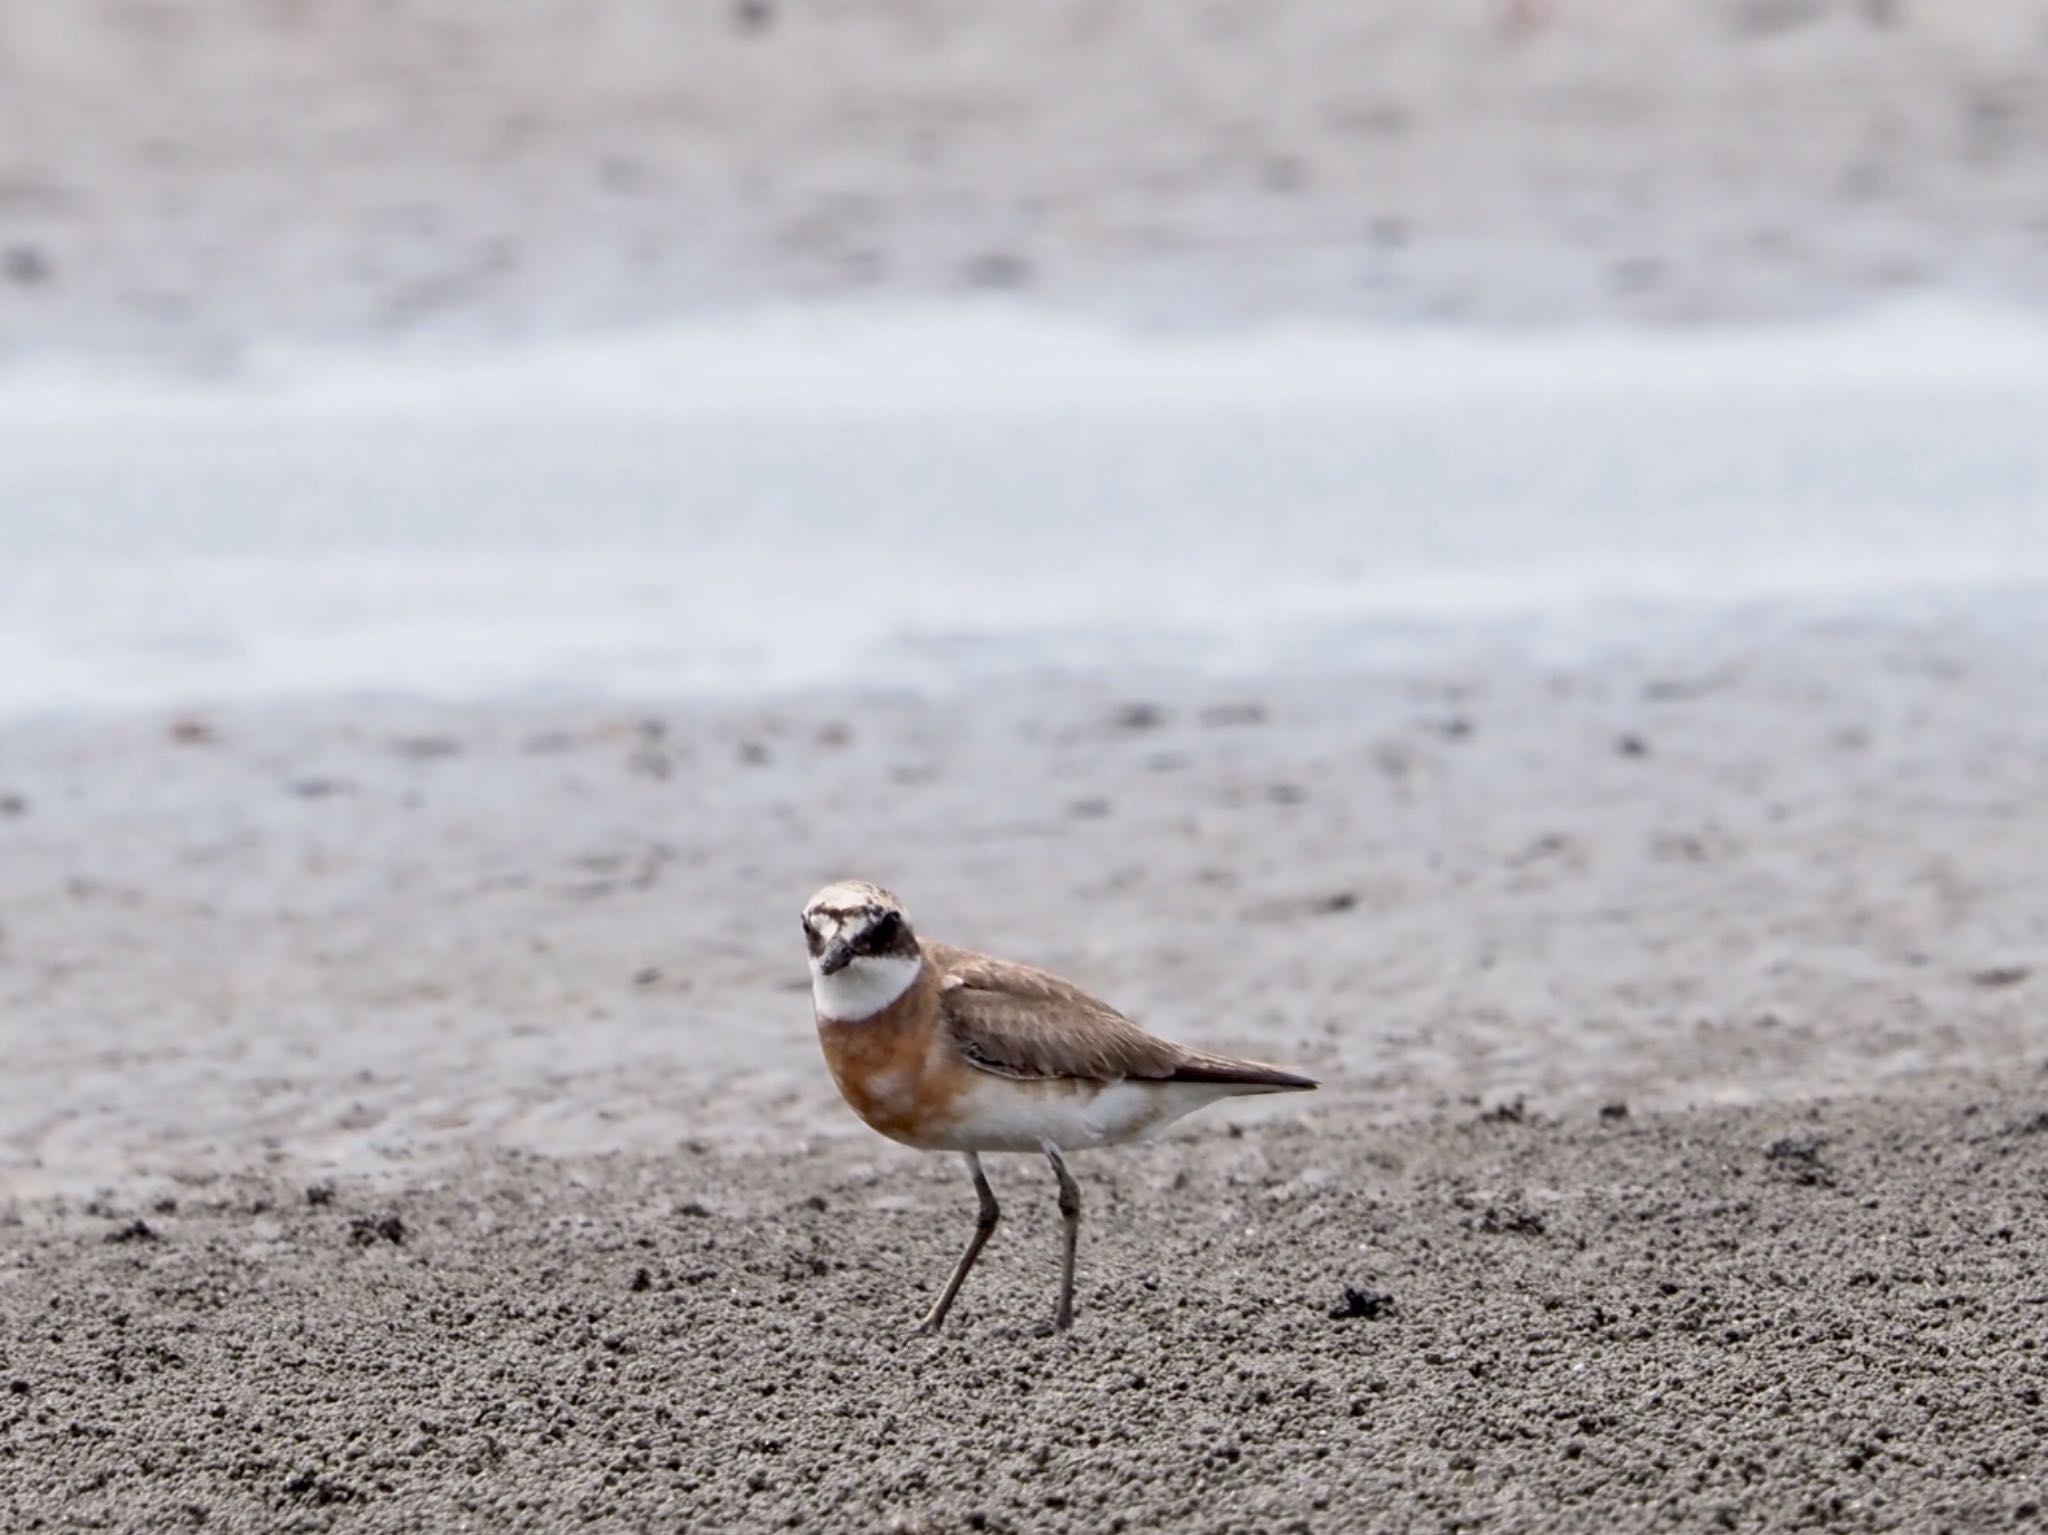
863	953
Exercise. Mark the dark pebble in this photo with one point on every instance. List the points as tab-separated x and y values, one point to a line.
1801	1161
1360	1302
2001	975
368	1230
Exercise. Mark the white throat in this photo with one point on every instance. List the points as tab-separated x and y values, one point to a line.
866	985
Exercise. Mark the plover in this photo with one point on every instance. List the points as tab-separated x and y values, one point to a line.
948	1050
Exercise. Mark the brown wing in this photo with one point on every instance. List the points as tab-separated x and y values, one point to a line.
1020	1022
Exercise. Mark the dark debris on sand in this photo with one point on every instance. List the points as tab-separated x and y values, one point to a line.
1361	1301
369	1230
1799	1159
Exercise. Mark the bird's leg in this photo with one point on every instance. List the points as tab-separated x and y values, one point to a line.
1070	1217
984	1228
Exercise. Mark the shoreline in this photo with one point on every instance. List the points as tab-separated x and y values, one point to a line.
673	514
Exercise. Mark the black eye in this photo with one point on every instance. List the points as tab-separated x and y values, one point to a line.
885	929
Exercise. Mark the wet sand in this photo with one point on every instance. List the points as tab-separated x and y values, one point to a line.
412	1119
1723	858
1828	1316
185	183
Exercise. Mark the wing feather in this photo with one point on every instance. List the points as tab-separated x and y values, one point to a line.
1017	1021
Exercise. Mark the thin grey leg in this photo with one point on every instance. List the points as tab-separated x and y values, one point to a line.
1070	1217
984	1228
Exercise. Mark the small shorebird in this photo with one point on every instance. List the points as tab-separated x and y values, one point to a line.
948	1050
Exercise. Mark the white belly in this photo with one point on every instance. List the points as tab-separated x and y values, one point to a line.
1003	1114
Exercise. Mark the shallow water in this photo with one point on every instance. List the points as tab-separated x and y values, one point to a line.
927	496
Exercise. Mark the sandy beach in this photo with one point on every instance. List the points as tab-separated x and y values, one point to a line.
413	1120
1826	1316
1495	553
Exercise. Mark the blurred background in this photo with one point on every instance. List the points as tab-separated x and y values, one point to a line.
568	342
500	501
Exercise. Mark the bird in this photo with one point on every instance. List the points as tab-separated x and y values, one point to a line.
945	1049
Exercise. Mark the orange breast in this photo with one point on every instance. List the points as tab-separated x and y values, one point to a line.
895	1069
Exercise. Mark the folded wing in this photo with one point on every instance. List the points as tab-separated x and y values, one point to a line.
1015	1021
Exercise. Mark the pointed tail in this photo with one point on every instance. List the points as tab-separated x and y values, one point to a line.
1242	1076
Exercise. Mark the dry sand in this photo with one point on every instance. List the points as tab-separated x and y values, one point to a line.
1825	1317
520	985
184	179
